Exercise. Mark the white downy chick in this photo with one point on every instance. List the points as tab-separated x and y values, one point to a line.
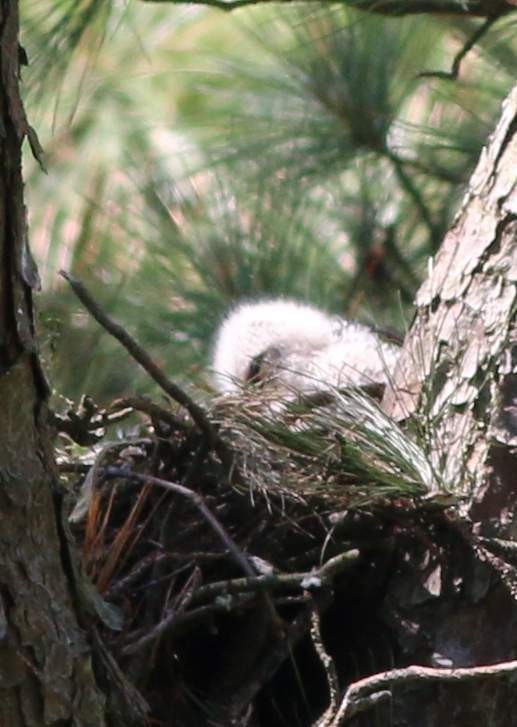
297	349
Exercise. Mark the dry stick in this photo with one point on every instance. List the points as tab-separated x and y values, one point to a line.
197	501
361	705
175	621
142	357
142	565
329	666
362	694
280	581
202	612
170	616
247	587
452	75
145	405
152	559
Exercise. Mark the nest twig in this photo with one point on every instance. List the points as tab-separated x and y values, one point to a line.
222	540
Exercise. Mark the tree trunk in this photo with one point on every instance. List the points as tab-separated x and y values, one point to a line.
459	368
458	380
45	670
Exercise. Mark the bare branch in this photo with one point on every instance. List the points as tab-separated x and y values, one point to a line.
176	621
196	499
170	616
479	8
146	406
280	581
142	357
367	692
452	75
329	666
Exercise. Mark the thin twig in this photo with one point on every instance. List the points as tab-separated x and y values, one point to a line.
142	357
452	75
183	600
196	499
124	583
363	705
89	485
329	667
364	691
145	405
280	581
225	538
175	621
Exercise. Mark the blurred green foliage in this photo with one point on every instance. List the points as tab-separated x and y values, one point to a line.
197	158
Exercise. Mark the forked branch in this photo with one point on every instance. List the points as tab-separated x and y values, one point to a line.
142	357
366	693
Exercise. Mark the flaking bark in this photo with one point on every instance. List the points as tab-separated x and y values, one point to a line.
458	381
458	371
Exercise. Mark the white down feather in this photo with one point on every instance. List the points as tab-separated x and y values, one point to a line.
301	349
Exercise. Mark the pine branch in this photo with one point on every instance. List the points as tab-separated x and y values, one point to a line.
452	75
397	8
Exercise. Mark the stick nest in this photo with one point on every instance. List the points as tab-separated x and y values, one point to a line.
208	568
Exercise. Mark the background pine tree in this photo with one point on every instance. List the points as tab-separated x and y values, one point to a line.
196	159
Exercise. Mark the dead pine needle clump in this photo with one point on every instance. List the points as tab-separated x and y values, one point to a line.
237	564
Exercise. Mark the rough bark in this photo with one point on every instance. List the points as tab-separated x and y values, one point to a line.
459	369
458	381
45	669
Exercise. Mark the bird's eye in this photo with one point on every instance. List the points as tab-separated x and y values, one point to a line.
254	369
263	365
